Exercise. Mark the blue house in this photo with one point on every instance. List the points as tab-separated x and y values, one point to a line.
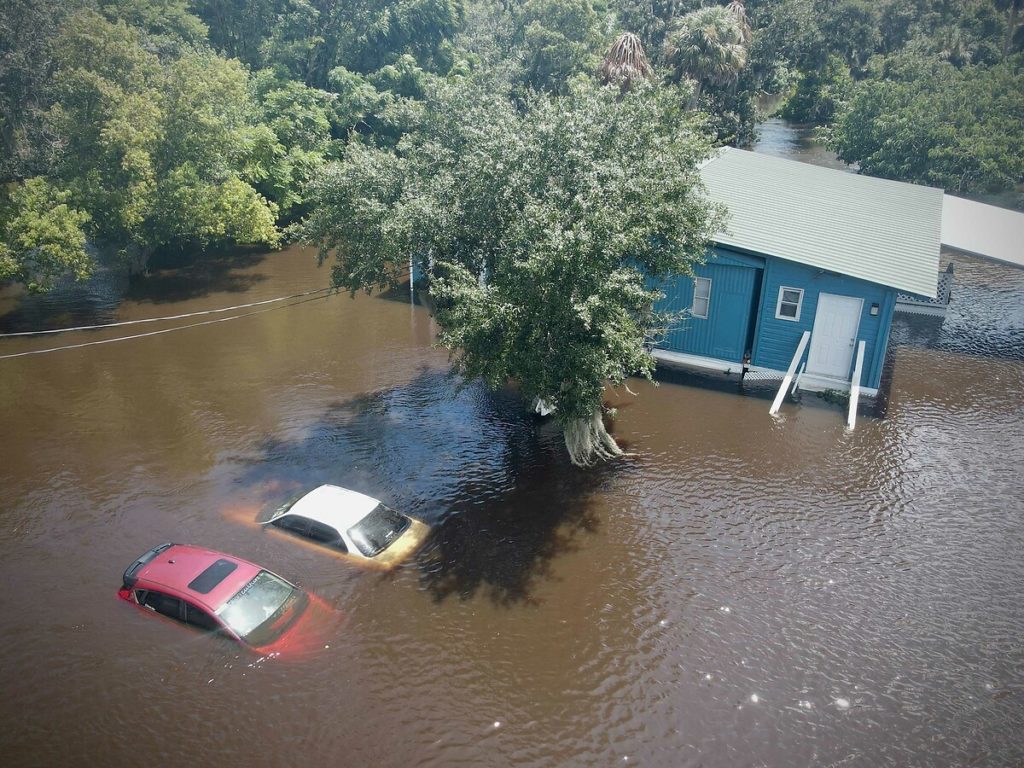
805	249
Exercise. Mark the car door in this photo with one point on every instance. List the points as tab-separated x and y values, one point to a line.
198	617
325	534
165	605
296	524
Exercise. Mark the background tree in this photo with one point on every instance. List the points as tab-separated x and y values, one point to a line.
1014	10
539	231
44	239
559	38
626	62
650	19
291	141
933	123
850	29
168	24
708	46
241	29
27	32
820	93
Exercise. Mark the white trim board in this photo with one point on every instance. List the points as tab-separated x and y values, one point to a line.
808	381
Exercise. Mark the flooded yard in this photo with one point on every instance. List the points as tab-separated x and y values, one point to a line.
740	590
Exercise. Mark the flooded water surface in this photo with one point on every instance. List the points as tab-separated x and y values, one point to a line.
740	590
781	138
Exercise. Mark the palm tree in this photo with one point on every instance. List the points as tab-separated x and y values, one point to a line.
626	62
737	9
708	46
1013	9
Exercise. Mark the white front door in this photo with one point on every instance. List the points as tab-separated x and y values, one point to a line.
834	335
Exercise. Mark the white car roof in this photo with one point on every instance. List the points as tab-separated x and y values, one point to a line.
333	505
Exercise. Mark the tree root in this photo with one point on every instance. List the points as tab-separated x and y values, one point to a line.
588	441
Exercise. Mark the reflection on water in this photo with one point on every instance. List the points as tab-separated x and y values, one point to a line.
88	302
740	590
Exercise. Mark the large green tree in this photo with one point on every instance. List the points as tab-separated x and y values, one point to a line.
931	122
44	238
157	153
151	149
540	232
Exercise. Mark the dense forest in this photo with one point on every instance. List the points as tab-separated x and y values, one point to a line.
139	125
539	158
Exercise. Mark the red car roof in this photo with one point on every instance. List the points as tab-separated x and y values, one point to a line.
178	566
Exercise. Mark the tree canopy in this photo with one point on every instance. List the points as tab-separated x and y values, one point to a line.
540	231
933	123
707	45
44	239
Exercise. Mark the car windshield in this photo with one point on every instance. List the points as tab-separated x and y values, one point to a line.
377	530
262	609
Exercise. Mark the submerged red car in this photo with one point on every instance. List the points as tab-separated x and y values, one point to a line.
220	593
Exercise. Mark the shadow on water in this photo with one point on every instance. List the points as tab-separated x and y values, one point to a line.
504	548
719	381
179	277
70	303
493	482
97	299
400	294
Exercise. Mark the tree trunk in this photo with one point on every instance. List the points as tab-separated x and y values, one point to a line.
1012	26
588	441
696	95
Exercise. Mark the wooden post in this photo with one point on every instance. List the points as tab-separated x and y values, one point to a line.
789	373
851	418
796	381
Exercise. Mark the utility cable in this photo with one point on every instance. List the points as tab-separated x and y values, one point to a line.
169	317
164	330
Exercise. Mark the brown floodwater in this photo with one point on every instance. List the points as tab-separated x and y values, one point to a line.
741	590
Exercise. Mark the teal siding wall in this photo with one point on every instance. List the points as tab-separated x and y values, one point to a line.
776	340
744	295
727	331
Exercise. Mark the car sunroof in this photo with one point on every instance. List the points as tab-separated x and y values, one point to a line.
212	576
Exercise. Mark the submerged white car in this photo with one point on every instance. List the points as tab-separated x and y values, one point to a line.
352	524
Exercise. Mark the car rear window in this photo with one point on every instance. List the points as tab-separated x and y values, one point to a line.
377	530
212	576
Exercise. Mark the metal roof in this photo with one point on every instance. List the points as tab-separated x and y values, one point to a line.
983	230
882	231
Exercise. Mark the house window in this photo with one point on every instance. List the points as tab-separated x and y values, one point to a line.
790	300
701	297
